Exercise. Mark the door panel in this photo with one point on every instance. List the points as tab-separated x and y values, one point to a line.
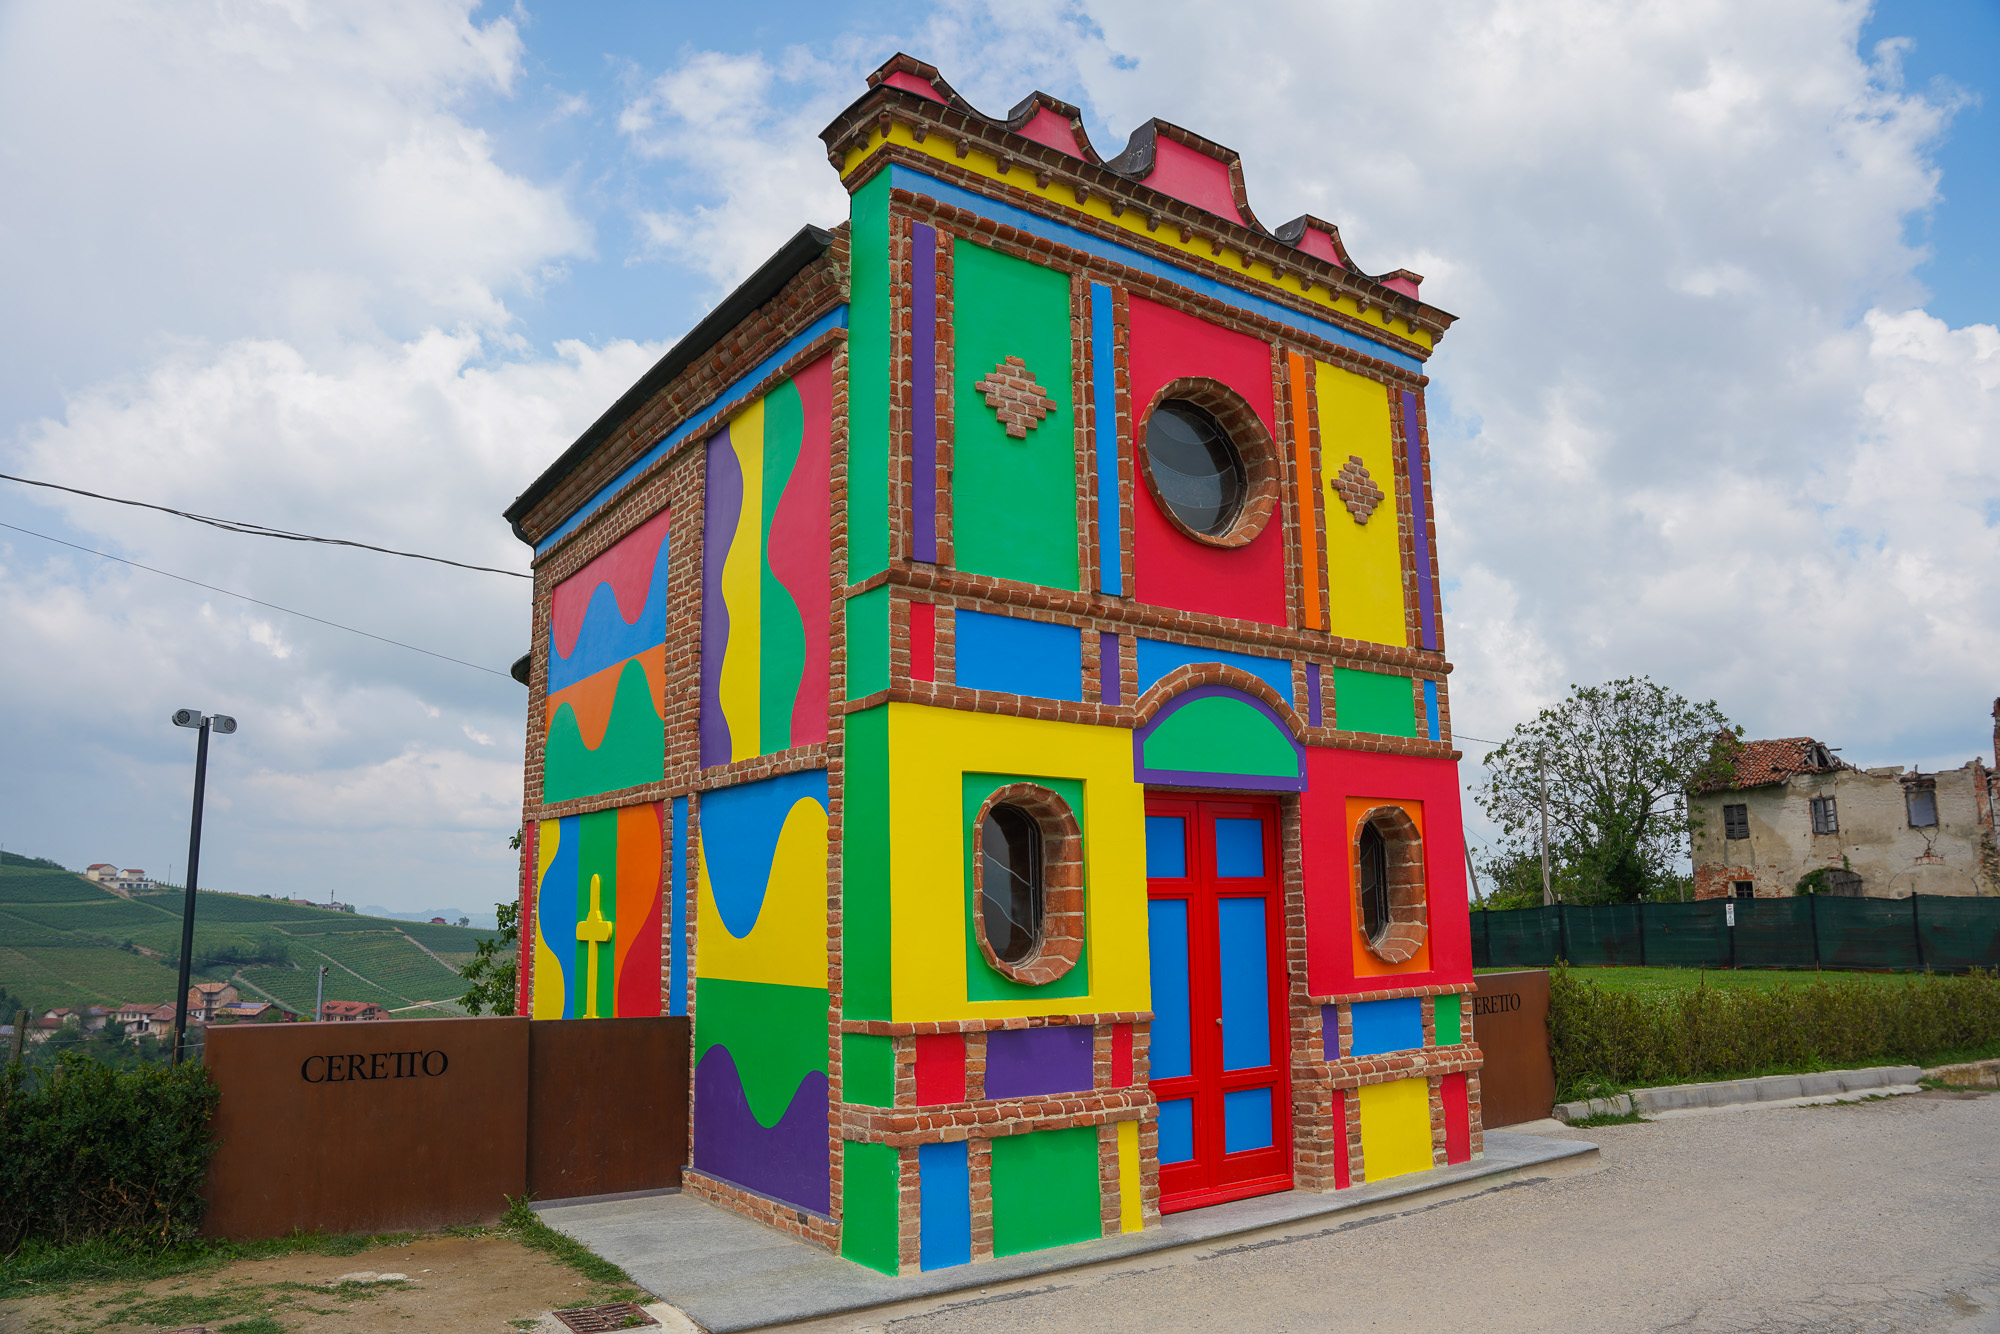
1219	1045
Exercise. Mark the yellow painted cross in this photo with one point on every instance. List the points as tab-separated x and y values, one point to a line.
596	931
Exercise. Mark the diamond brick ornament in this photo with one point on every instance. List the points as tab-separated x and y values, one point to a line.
1020	404
1357	490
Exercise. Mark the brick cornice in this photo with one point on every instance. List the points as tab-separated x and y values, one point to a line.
902	1127
1355	1071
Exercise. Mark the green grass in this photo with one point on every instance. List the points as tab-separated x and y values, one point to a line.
60	936
1657	982
612	1283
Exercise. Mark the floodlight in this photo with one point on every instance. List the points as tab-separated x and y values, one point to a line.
187	718
223	723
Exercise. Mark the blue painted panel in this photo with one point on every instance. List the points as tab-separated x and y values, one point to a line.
1388	1025
1018	657
1431	709
1156	659
1177	1131
1104	386
1246	983
917	182
555	908
1166	847
1166	926
1239	848
1246	1120
740	827
833	319
944	1182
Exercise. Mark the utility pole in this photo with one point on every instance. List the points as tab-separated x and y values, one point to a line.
1542	771
1473	875
319	996
203	723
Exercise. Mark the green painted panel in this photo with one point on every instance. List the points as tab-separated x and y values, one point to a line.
1045	1190
868	380
597	854
1447	1026
868	1069
776	1034
870	1202
1219	735
784	630
868	643
981	982
1013	501
633	751
1373	702
864	874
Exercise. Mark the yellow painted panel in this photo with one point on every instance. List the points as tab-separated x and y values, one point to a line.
1364	562
741	687
1365	962
1395	1128
929	752
547	999
1128	1177
788	943
1131	220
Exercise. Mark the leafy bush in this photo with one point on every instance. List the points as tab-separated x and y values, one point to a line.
1600	1037
92	1152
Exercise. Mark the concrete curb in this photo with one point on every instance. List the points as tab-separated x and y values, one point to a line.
1827	1084
1973	1074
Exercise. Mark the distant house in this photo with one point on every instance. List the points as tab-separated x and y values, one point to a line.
351	1011
129	880
1792	808
204	998
248	1012
439	921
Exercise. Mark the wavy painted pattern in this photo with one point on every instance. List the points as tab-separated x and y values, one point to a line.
761	909
761	1088
597	917
765	568
606	704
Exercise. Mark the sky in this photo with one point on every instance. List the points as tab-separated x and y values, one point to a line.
1722	407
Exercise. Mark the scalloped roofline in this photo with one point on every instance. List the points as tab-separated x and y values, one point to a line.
1160	157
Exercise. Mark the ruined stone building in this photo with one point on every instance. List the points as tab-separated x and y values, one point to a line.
1793	808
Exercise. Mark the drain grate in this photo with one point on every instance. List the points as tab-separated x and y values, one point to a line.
618	1315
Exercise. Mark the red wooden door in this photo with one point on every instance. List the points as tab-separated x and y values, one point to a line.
1216	910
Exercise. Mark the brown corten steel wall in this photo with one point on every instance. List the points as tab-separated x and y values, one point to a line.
1518	1082
579	1127
386	1126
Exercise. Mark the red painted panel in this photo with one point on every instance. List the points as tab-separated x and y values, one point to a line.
800	542
1457	1119
1171	570
923	641
1343	1174
911	83
1121	1055
1046	127
940	1068
1335	775
1191	175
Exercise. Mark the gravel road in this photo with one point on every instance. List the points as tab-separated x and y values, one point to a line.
1854	1217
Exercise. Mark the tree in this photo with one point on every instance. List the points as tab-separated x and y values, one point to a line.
496	959
1618	760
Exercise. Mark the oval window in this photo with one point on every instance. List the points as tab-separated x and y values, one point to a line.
1373	854
1010	885
1196	471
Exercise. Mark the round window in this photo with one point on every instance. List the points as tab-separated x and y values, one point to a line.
1373	855
1011	883
1196	471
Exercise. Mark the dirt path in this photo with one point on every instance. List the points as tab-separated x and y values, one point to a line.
486	1283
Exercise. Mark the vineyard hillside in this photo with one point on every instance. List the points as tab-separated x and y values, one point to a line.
65	941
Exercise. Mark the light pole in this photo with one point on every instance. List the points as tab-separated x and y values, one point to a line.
203	723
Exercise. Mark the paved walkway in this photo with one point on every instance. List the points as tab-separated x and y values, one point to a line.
728	1273
1862	1218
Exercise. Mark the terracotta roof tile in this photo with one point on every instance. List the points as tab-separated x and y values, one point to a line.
1762	762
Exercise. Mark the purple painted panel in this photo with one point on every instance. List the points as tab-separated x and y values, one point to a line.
1313	705
722	505
1024	1061
1413	461
1329	1031
1110	669
923	391
787	1162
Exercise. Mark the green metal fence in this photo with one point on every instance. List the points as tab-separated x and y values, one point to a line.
1946	934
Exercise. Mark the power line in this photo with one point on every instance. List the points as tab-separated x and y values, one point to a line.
254	529
289	611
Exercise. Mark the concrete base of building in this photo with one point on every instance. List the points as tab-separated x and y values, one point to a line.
728	1273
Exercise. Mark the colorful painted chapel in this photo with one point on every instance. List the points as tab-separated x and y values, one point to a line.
989	676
